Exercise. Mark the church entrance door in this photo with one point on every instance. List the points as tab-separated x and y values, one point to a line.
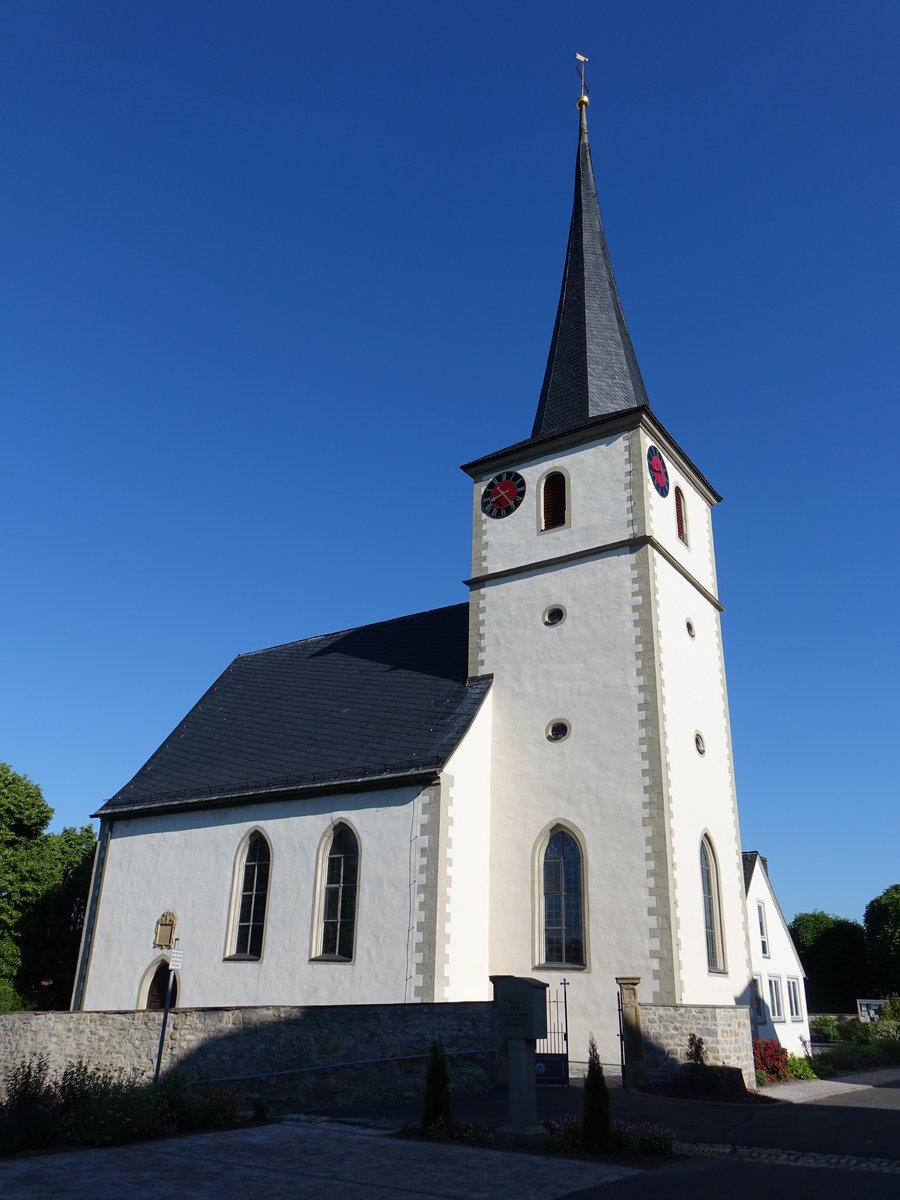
159	984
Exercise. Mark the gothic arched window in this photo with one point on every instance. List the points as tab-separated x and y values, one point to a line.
712	908
554	500
563	907
339	898
250	917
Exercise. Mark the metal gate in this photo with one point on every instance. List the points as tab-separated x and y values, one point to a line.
551	1059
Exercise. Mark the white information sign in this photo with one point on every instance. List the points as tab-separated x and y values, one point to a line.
176	960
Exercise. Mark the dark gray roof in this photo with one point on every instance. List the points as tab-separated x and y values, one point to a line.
749	858
592	369
384	702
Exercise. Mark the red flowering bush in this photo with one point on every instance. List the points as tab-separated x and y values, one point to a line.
771	1058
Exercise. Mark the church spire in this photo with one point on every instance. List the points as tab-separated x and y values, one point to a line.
592	370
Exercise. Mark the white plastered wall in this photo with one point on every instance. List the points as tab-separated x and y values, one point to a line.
184	862
781	963
465	840
702	797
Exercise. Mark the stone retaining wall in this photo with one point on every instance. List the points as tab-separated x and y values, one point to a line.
725	1029
292	1055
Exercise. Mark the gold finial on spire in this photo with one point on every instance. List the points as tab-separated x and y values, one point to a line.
584	99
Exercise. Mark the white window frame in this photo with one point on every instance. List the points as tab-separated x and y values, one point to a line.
776	1006
758	997
763	928
317	932
795	1003
232	930
537	901
712	916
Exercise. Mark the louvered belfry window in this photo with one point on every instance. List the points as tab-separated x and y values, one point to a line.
554	500
340	894
680	523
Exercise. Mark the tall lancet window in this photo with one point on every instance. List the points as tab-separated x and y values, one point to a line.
554	500
339	910
712	909
563	907
680	516
254	884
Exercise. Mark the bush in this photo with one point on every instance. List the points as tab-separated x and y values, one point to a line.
891	1009
564	1135
639	1137
855	1030
800	1068
885	1029
770	1056
436	1102
596	1128
823	1029
761	1077
696	1052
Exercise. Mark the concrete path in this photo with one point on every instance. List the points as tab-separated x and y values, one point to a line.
299	1160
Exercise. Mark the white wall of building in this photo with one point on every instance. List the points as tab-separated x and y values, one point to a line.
466	799
184	862
775	966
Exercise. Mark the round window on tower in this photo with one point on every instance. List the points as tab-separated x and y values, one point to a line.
699	743
558	731
554	615
689	626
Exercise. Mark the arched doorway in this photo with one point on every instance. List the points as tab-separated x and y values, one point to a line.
159	984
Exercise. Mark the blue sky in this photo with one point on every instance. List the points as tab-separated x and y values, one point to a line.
264	265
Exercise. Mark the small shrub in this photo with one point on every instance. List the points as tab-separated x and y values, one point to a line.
855	1030
564	1135
800	1068
770	1056
596	1128
891	1009
639	1137
761	1077
823	1029
436	1102
696	1051
885	1029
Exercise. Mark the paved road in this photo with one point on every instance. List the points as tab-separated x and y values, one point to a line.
792	1153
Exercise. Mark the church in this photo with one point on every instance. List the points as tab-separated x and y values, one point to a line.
538	782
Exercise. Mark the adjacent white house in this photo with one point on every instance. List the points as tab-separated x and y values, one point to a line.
538	781
779	1008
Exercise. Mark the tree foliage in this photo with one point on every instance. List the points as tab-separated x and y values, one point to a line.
833	953
44	880
882	920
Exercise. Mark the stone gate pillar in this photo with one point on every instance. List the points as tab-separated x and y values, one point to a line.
632	1037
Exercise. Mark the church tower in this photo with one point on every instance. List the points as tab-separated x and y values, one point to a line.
615	847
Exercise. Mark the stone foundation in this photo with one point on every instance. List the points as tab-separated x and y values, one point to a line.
294	1056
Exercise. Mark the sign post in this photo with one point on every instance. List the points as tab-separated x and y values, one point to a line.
176	959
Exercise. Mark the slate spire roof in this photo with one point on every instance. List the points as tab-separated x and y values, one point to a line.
592	370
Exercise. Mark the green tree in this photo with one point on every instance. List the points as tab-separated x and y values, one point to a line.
43	885
436	1102
596	1125
882	920
833	953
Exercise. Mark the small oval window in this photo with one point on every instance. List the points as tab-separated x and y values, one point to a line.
699	743
689	626
554	615
557	731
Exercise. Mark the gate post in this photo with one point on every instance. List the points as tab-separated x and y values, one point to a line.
632	1037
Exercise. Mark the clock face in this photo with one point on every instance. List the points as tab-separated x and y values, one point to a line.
658	472
503	494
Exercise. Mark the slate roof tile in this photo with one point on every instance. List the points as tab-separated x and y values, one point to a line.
383	700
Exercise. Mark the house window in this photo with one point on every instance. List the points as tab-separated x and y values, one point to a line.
712	909
562	901
680	516
794	1005
554	500
339	907
763	931
775	998
254	888
757	994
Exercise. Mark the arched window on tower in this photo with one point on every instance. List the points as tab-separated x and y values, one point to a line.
554	500
563	907
339	898
251	894
680	516
712	908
